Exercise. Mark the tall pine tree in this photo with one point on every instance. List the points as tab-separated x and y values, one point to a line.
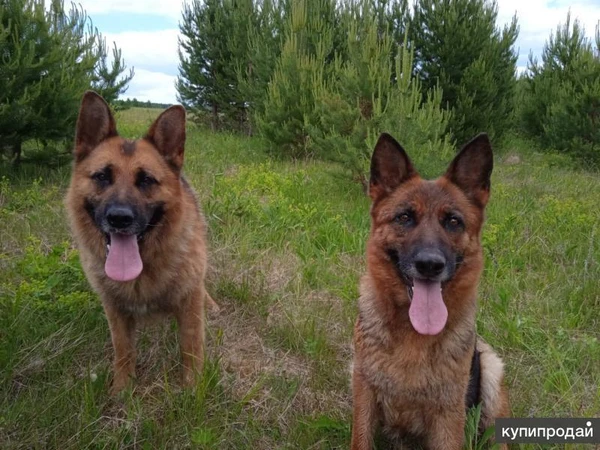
458	46
300	71
562	93
49	57
369	93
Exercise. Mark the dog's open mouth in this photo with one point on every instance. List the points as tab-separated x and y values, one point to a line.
427	313
107	238
123	260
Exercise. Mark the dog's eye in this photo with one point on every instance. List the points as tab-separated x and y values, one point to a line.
404	218
103	177
453	223
148	180
144	179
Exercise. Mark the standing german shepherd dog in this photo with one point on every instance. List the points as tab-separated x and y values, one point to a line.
139	230
418	363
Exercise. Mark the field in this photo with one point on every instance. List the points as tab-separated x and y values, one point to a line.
287	242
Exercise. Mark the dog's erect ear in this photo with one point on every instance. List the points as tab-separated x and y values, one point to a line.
472	168
167	133
94	124
390	167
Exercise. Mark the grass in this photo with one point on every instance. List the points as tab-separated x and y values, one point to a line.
287	243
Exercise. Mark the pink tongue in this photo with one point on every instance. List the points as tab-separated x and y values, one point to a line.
123	262
427	313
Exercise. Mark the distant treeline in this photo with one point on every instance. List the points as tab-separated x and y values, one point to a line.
135	103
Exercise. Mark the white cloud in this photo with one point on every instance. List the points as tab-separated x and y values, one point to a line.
154	86
538	18
150	50
154	56
169	8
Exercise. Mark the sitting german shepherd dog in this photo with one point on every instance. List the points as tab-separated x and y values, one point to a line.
418	363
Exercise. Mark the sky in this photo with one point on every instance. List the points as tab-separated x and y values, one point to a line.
147	32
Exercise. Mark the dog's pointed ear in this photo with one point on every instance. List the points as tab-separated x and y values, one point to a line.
167	133
471	169
95	123
390	167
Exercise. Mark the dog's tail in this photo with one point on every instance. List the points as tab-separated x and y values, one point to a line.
494	395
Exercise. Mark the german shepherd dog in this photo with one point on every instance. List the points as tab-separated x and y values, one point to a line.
418	363
139	230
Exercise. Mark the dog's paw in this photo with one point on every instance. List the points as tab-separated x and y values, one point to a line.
120	384
212	306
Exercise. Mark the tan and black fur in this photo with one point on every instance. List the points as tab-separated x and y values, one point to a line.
142	178
415	387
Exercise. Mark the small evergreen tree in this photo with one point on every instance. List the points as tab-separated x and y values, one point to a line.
300	71
240	17
458	46
562	93
264	46
212	52
392	18
369	93
48	58
107	81
202	54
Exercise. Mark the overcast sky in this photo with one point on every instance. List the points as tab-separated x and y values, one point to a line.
147	30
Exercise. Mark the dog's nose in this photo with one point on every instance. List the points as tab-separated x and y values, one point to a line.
430	263
119	217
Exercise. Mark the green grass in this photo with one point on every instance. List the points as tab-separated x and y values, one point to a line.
287	249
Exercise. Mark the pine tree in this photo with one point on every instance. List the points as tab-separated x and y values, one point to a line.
562	93
212	53
369	94
458	46
301	69
108	81
49	58
239	15
264	46
392	18
202	53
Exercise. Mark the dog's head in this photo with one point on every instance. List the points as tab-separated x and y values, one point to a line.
426	234
125	189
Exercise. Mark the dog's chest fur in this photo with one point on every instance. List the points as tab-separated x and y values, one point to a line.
413	377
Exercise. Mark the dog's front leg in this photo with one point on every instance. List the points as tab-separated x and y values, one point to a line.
122	333
190	318
364	412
